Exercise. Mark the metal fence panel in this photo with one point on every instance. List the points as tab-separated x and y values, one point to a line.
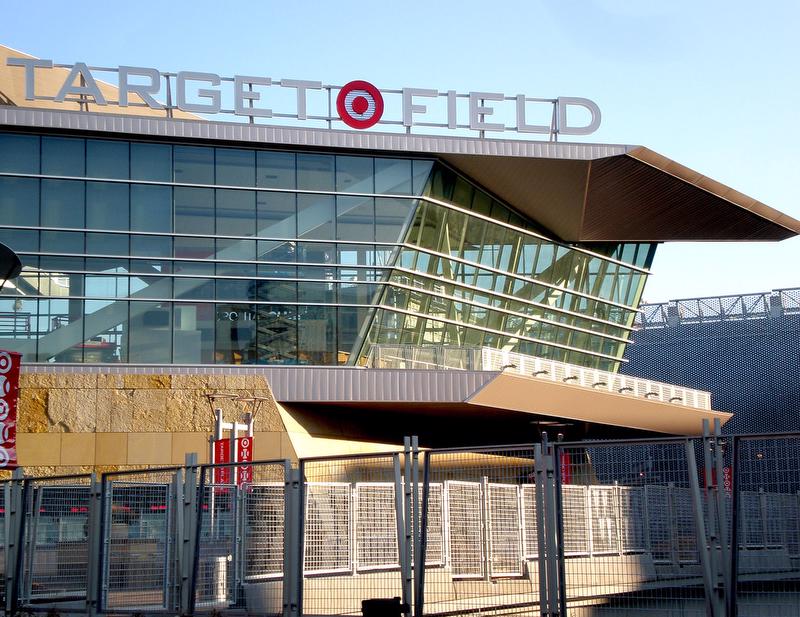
632	519
489	515
240	552
766	477
350	532
376	526
465	528
504	522
529	530
55	555
139	561
628	528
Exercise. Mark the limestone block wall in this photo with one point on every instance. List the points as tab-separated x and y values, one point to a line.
72	421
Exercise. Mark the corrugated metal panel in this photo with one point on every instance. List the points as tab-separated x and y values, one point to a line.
254	133
320	384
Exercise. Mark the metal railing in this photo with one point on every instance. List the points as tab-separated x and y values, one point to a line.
760	305
631	525
443	357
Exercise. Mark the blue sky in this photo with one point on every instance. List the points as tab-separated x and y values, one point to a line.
713	85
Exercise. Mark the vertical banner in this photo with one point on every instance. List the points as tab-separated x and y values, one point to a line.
565	460
244	454
9	395
222	454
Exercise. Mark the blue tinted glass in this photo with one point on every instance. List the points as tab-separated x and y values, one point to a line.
19	201
107	159
194	210
236	212
62	156
354	174
20	240
151	246
315	217
151	162
315	172
63	241
19	154
107	244
151	208
194	165
63	203
236	167
107	206
393	176
276	170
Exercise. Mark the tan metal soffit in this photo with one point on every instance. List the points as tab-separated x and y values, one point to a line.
542	397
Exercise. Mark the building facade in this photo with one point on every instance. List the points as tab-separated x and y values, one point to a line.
744	349
168	257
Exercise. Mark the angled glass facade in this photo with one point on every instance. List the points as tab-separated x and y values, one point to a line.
145	252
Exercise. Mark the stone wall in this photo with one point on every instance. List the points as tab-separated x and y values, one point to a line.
70	422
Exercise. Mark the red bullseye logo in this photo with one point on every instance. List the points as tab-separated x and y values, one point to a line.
360	104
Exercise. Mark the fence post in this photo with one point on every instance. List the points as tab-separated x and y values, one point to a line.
95	545
734	556
722	522
712	606
15	516
186	550
293	517
422	546
408	536
548	530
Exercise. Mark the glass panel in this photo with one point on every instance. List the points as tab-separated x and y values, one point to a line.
315	172
355	218
63	204
240	250
236	212
277	215
317	334
391	217
354	174
194	248
194	210
151	162
194	165
107	206
62	241
20	240
151	246
149	332
107	159
276	334
63	156
193	333
19	201
315	217
422	173
393	176
151	208
234	289
235	334
236	167
19	154
276	250
107	244
275	169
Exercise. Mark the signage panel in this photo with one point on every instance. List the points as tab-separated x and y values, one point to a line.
359	104
222	454
9	397
244	453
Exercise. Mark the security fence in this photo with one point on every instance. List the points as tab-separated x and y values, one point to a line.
585	528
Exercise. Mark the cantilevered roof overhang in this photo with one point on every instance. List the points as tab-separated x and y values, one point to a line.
580	192
467	393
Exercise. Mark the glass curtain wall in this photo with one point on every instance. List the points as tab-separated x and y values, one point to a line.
145	252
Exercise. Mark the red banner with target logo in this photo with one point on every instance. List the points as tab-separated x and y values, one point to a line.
9	396
244	454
